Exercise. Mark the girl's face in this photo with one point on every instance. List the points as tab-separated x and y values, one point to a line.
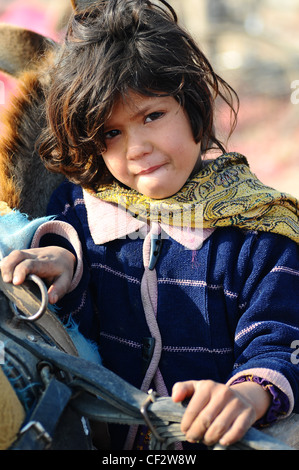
150	145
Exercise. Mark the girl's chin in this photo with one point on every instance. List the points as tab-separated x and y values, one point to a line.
158	194
155	188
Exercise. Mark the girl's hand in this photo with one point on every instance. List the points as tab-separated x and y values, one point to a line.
55	265
219	413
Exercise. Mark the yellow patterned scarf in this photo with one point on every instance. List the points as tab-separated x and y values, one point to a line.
224	193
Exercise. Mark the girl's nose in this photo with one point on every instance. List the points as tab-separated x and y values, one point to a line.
137	146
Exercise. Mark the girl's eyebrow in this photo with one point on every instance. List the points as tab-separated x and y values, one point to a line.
145	110
147	107
137	112
150	103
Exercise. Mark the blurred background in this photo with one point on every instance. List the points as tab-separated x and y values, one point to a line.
252	44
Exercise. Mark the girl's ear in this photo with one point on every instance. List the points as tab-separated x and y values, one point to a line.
20	49
79	5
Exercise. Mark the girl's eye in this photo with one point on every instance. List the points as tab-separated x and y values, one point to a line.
111	134
153	116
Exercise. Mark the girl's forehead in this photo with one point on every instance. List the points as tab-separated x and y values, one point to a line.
132	100
128	107
136	103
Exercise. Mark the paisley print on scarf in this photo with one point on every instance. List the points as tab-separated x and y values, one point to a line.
224	193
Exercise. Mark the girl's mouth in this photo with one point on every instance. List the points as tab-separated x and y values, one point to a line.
149	170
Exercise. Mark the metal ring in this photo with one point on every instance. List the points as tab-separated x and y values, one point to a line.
44	300
151	398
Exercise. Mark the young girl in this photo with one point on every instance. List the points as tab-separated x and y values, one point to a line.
183	269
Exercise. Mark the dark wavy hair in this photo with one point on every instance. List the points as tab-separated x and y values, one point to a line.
115	47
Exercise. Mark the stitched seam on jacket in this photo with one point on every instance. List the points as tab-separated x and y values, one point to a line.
82	303
194	283
247	330
181	282
120	340
115	273
171	349
196	349
285	269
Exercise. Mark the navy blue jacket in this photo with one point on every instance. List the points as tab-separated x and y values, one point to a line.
230	307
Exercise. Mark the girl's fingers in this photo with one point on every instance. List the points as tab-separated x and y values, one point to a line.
201	394
229	425
53	297
59	287
202	412
182	390
215	412
31	265
54	265
9	264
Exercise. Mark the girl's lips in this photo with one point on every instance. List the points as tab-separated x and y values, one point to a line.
150	170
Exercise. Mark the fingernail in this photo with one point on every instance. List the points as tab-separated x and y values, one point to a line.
16	279
192	439
53	298
223	442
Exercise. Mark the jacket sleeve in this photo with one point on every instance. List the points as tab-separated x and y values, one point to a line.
268	327
66	231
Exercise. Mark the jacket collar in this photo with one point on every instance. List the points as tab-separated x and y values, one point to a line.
108	222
